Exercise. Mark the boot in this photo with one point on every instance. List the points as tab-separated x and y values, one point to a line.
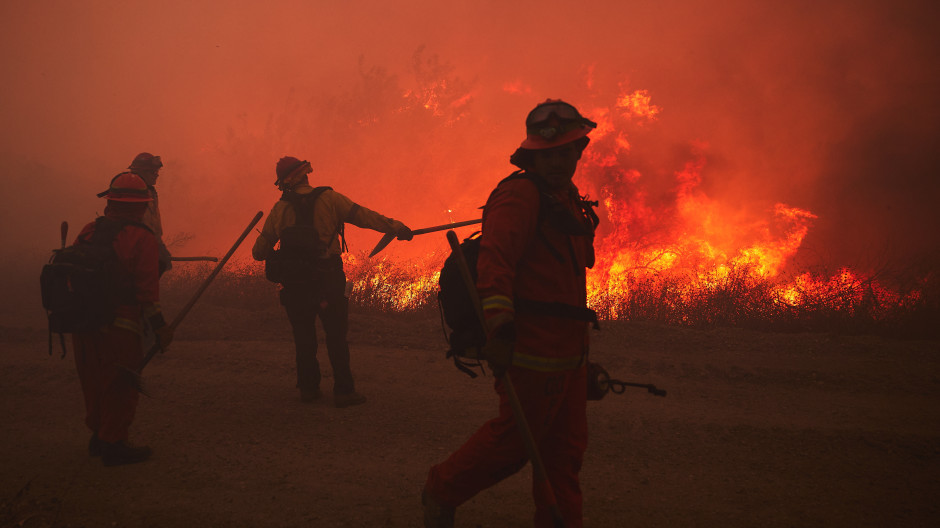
348	400
94	446
310	395
436	515
120	453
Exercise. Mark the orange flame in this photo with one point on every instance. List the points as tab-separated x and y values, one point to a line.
660	251
638	104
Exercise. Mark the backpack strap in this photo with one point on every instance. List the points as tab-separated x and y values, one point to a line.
61	342
559	216
341	226
304	205
556	309
544	197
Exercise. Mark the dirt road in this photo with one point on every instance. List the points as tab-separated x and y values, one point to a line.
757	430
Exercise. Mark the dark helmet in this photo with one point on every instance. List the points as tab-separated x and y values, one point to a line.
290	171
550	124
146	161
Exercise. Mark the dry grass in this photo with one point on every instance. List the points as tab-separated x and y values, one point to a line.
846	304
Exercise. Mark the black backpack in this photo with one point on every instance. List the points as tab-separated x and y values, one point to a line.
299	256
467	336
83	284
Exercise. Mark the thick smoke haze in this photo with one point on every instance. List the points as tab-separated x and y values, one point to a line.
412	108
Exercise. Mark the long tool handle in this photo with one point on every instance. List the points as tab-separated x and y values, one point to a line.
388	237
194	259
205	284
64	231
538	468
424	230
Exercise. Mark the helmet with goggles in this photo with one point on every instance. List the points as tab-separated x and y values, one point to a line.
551	124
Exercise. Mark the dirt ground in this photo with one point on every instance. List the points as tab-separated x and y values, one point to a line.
757	429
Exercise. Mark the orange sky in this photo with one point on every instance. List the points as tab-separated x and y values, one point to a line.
828	108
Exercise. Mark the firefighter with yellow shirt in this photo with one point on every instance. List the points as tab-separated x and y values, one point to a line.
308	223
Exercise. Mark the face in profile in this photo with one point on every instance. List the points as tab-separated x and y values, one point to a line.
149	176
556	165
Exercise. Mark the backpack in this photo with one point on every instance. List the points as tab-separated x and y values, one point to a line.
83	284
467	336
301	250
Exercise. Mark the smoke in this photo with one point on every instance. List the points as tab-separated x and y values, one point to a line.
412	109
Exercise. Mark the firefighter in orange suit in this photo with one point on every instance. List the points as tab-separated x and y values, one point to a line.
309	222
537	241
102	355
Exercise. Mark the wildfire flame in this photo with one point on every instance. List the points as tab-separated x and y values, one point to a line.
681	257
638	104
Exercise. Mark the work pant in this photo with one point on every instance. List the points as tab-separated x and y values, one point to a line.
110	397
555	405
324	298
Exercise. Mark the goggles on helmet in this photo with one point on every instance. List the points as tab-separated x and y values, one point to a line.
561	111
553	119
553	123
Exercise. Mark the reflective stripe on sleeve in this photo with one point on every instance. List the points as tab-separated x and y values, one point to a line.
497	302
129	324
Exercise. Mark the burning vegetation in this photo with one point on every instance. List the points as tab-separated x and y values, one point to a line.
666	250
729	293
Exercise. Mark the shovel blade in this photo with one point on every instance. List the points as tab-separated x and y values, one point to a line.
386	240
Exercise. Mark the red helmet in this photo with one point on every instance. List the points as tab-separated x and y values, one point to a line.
553	123
146	161
290	170
127	187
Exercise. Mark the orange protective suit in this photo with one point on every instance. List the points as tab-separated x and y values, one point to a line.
100	356
526	256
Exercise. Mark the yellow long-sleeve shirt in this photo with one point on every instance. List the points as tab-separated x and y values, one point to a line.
331	210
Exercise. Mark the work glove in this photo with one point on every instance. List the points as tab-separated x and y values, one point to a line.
164	336
500	342
161	331
403	232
